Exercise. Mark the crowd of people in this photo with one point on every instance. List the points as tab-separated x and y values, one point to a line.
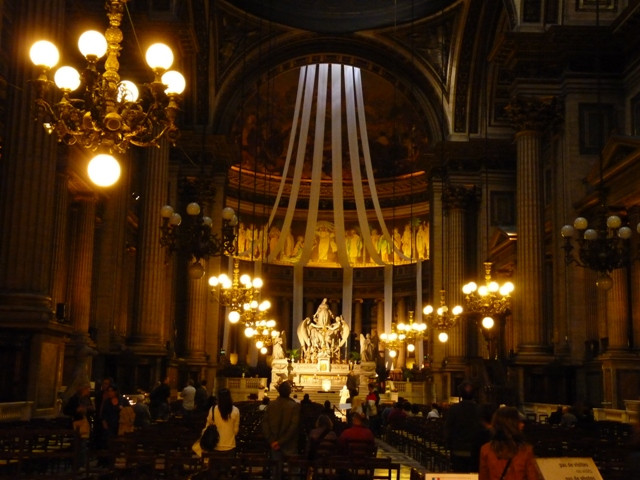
483	439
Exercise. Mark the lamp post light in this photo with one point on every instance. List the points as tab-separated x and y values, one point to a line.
99	111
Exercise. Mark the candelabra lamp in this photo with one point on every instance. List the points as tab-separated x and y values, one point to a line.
257	327
99	111
240	294
194	236
490	299
393	341
442	319
602	245
412	331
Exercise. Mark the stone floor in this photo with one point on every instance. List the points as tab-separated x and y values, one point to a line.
406	462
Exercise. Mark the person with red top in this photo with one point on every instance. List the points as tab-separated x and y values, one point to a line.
507	456
358	432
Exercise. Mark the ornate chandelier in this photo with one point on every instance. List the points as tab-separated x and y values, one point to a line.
393	341
257	327
603	245
488	300
240	294
99	111
442	319
412	331
195	236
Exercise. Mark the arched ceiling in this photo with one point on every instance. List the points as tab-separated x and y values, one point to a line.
342	16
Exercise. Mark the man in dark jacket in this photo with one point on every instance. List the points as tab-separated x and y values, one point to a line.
280	424
463	431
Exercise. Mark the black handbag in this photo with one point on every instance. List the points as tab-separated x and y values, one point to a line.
209	438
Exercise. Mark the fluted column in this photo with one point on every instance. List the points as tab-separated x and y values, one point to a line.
618	312
215	321
456	199
380	321
28	178
82	264
401	309
196	319
357	316
148	333
530	117
59	263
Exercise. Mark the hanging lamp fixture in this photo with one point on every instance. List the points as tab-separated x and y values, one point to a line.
99	111
603	244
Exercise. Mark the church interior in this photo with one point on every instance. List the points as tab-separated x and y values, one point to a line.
369	158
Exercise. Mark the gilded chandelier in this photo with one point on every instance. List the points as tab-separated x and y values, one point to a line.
442	319
99	111
195	237
240	294
412	331
490	299
393	341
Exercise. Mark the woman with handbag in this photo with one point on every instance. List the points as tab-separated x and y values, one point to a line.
507	456
226	418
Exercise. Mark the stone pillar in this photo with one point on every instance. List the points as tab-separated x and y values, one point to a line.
357	316
401	309
456	199
28	179
195	331
617	312
60	262
28	214
148	336
286	321
82	265
530	117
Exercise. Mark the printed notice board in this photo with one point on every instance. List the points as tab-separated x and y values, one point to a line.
568	468
451	476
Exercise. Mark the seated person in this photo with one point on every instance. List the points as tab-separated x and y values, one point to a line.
358	433
322	440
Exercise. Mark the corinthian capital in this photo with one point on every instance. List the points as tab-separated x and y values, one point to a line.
533	113
458	196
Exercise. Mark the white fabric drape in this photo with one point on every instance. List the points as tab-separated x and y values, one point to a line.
336	162
316	168
308	73
355	165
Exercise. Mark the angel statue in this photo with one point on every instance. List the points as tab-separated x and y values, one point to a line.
278	346
323	336
367	353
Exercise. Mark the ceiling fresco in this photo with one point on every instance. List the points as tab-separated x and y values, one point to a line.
397	138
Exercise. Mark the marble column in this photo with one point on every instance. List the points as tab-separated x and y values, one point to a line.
401	309
618	312
456	199
28	179
530	117
148	333
82	264
357	316
60	262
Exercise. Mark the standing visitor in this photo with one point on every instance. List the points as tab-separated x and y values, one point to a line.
280	424
189	398
507	456
463	431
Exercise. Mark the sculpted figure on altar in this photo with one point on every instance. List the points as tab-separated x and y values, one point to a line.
323	335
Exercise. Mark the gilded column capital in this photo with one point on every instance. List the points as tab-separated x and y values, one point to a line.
534	113
458	196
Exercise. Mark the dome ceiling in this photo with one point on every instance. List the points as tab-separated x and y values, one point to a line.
341	16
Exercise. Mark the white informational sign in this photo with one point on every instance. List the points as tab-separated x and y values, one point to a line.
450	476
568	468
